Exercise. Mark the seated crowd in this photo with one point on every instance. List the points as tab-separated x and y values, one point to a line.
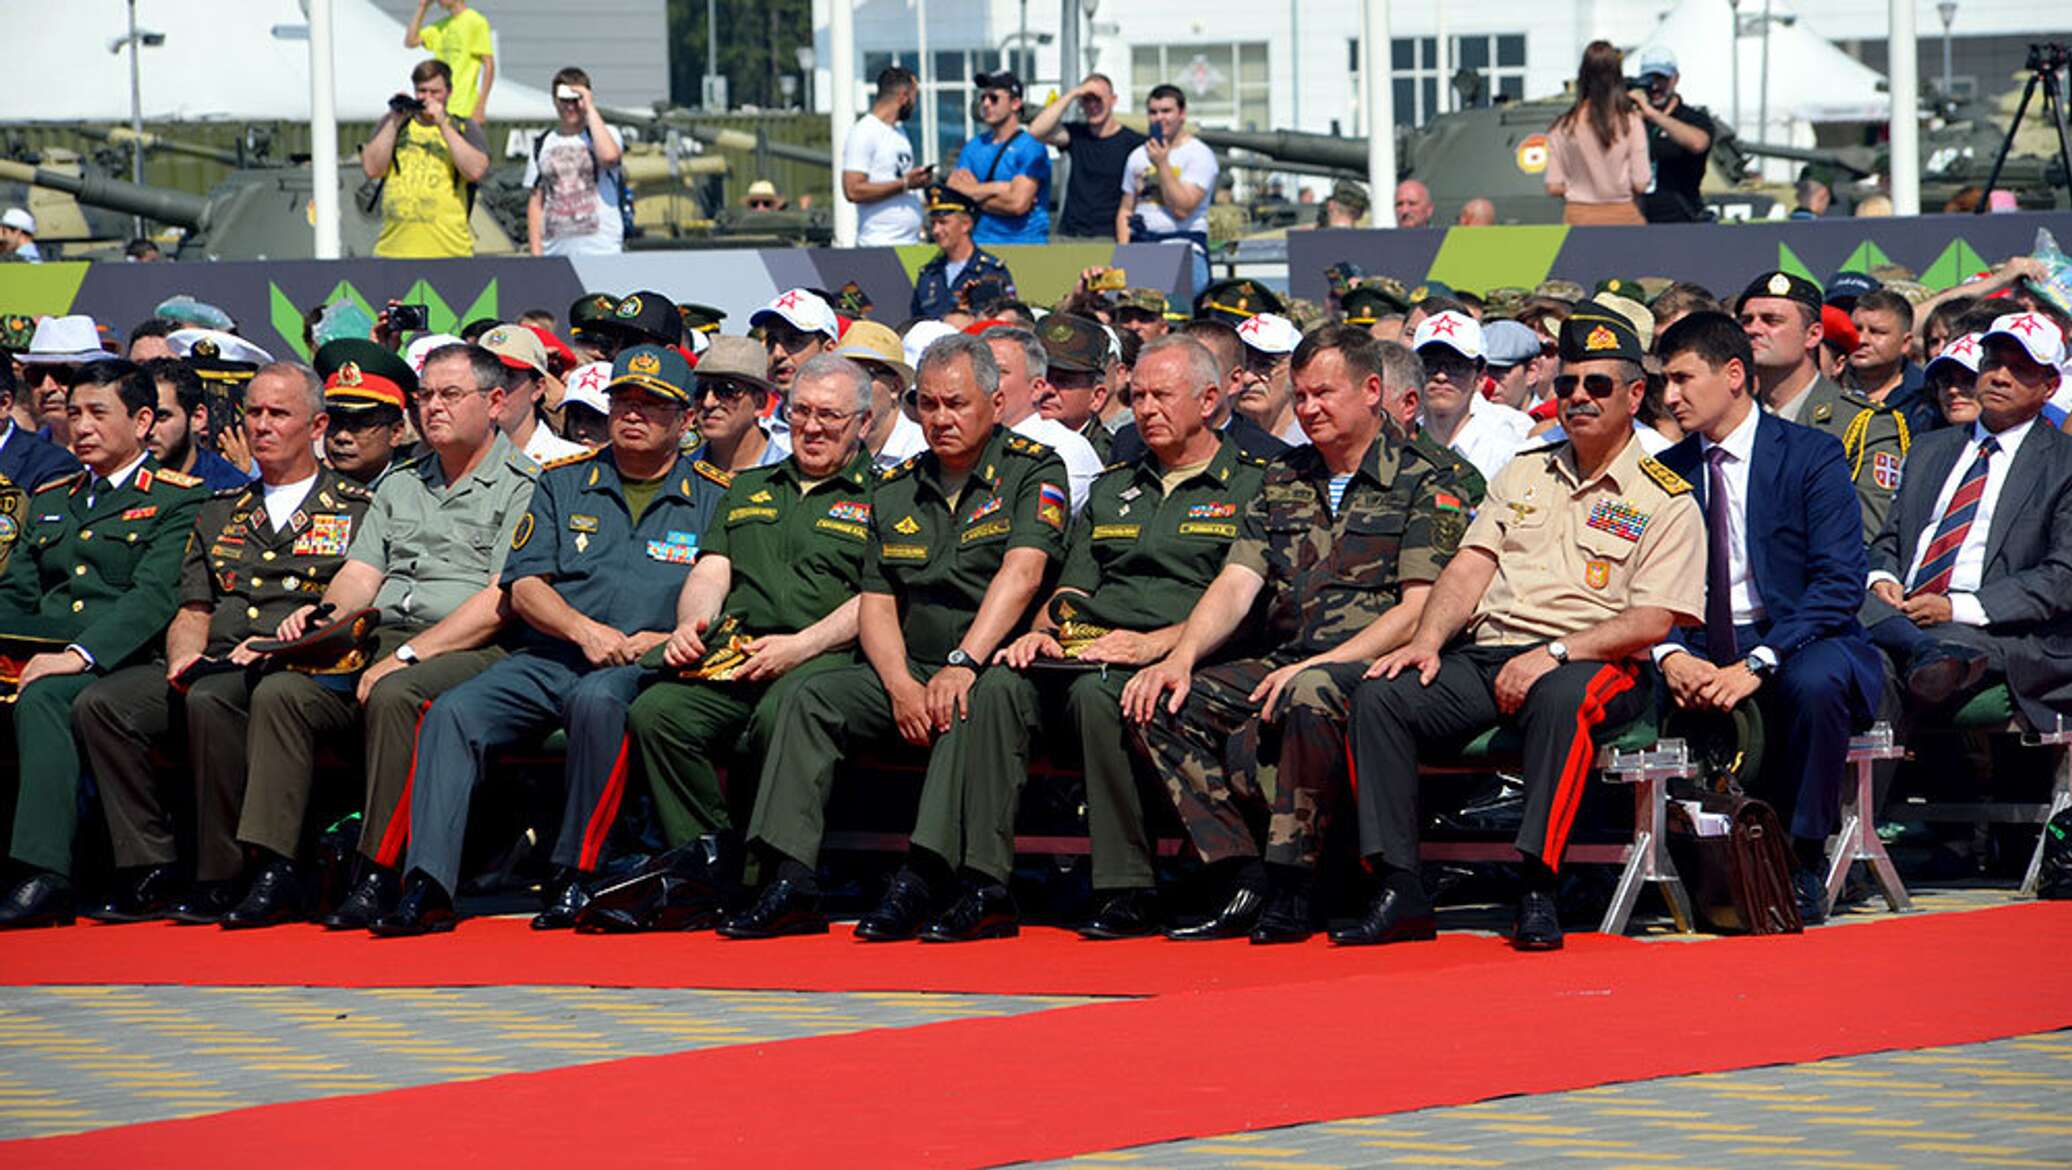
1261	561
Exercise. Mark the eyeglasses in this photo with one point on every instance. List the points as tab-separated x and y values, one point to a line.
799	417
446	396
1598	385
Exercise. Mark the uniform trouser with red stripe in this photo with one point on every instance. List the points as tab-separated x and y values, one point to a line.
1568	711
521	699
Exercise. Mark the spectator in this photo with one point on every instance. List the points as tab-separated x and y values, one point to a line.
1939	324
1837	341
1878	366
1597	161
574	177
1099	148
1024	366
762	196
1814	198
1680	300
522	415
1952	378
585	411
1477	212
26	460
1456	415
797	326
179	436
1345	206
424	161
1167	182
1413	204
142	251
962	271
1005	171
878	171
537	319
1679	139
1874	207
147	340
462	40
18	236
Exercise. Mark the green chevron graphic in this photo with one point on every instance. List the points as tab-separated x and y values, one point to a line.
1957	261
1866	257
1789	261
286	315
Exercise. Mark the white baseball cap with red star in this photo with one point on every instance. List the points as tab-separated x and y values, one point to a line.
2034	332
1456	331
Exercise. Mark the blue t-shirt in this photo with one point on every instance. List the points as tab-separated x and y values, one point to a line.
1022	155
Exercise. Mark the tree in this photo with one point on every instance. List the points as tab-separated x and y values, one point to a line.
758	43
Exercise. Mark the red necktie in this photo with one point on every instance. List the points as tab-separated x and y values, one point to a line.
1939	562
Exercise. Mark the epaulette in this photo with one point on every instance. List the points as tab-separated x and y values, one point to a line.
898	469
64	481
178	479
1125	465
1251	460
708	471
1669	481
243	495
1022	445
1542	449
523	464
565	460
348	486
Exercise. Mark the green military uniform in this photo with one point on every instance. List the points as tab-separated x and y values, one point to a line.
99	567
797	554
249	576
1328	574
935	552
1139	559
14	503
436	545
1875	437
1099	437
1468	483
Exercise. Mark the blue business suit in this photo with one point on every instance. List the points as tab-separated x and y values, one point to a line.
29	461
1806	556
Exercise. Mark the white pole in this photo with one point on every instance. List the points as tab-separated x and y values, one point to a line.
1381	112
841	106
323	131
1734	55
136	115
927	75
1444	61
1904	81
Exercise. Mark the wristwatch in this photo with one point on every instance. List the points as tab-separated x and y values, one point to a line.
406	655
1558	651
958	657
1757	665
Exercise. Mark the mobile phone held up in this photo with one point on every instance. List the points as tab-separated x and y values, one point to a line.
1158	133
409	318
566	93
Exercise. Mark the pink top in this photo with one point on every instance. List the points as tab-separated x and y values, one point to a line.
1593	174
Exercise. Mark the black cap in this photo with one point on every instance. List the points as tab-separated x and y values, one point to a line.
1783	284
1004	79
1843	288
1593	332
647	316
1072	342
943	198
590	311
1366	304
1235	301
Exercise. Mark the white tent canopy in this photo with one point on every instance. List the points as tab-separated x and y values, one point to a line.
221	61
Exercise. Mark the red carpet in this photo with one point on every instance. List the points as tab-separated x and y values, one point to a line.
1396	1035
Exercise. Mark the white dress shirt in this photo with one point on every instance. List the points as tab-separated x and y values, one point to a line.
1743	599
1491	434
282	500
905	441
1970	570
1082	466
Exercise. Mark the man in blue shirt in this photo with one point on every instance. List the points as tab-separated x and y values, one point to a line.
1006	171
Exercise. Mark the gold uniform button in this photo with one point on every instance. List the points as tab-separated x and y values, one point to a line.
288	583
79	570
77	606
133	538
252	612
86	534
267	555
258	582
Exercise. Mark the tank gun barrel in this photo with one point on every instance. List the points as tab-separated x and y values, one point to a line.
1345	154
123	136
174	207
1857	168
743	140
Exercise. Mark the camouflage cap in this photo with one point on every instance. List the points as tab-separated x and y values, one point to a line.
1914	291
1504	301
1072	342
1306	313
1148	300
1431	288
1560	290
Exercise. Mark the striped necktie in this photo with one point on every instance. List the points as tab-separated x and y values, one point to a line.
1939	562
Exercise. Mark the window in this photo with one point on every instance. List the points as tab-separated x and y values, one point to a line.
1226	84
1414	73
955	123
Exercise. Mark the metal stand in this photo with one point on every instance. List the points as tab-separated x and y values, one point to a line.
1647	859
2046	60
1858	838
2059	737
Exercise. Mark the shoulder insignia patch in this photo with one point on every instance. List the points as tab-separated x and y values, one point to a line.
242	495
566	460
177	478
1669	481
898	469
1026	446
353	489
64	481
709	472
523	532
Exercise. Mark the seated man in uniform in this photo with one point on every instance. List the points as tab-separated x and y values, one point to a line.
1152	537
1345	539
366	429
256	554
427	555
95	576
962	540
1584	555
782	561
593	568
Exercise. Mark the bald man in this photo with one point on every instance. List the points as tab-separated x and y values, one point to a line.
1413	204
1476	212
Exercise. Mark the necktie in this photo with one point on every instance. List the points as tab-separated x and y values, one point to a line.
1719	596
98	488
1939	562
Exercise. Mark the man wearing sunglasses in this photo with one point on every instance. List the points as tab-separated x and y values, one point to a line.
1583	555
57	351
727	405
1005	171
27	459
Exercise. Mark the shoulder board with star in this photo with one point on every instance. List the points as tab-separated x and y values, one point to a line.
707	471
566	460
1125	465
1546	449
352	488
67	482
1667	480
1250	460
1022	445
898	469
178	479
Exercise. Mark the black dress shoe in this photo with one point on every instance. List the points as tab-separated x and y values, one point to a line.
1286	919
566	901
1811	894
424	908
1129	914
901	913
1235	920
369	899
1392	917
146	896
44	899
1944	673
678	890
1538	925
784	907
983	910
205	904
276	896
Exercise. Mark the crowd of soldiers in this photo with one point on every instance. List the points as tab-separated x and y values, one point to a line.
1259	560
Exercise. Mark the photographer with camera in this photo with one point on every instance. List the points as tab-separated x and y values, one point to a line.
423	159
1679	139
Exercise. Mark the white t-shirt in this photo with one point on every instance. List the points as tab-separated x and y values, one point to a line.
1196	165
545	446
883	153
579	205
282	500
1082	466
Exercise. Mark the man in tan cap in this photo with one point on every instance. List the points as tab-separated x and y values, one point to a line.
890	436
523	415
726	404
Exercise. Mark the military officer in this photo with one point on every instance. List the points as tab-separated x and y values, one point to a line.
589	327
256	554
1153	535
1584	554
951	214
593	570
428	555
962	540
366	388
781	566
1780	312
97	566
1074	388
1345	538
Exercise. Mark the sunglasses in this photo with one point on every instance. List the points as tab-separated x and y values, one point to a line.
726	392
1598	385
63	375
762	204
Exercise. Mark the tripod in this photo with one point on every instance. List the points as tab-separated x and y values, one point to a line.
2046	59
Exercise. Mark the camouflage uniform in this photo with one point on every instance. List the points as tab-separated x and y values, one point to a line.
1327	578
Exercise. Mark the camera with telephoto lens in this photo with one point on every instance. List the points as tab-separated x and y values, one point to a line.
2048	57
405	104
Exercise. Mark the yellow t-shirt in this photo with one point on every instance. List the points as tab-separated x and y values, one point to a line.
424	208
462	41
